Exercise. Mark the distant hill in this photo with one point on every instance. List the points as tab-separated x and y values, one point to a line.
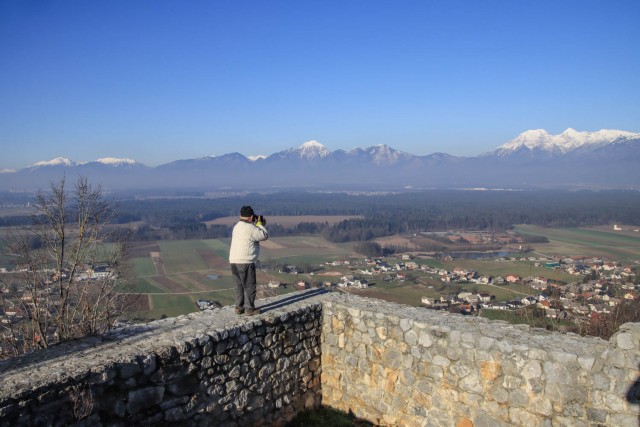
604	159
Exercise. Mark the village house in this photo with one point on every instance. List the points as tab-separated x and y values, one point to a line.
473	299
428	301
464	296
360	283
544	304
484	297
483	280
400	266
412	265
290	269
99	272
346	278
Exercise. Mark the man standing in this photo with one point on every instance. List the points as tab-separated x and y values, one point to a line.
243	254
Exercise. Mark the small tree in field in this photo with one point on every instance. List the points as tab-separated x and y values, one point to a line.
69	270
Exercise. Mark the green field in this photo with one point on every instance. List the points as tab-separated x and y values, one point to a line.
605	243
171	307
219	246
143	267
144	286
411	294
504	268
188	262
180	255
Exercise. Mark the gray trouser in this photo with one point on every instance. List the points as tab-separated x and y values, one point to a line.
245	275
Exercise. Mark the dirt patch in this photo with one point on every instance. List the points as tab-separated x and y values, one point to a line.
142	249
158	263
212	259
289	220
330	273
400	241
137	303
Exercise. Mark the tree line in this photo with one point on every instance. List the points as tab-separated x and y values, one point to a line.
382	214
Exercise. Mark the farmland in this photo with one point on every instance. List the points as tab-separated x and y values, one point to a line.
171	275
174	274
177	273
601	242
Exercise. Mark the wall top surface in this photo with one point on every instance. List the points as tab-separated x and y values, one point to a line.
76	359
123	345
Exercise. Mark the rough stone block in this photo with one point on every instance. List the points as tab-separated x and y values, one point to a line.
138	400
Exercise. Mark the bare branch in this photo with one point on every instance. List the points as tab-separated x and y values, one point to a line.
69	265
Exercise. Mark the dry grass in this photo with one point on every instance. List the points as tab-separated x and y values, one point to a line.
396	241
270	244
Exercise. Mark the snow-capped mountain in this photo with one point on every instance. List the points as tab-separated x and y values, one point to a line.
381	154
311	150
534	159
112	161
570	140
64	162
58	161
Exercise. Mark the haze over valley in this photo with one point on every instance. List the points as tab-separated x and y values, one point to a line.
535	159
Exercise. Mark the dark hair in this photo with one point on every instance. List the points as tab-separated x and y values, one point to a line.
246	211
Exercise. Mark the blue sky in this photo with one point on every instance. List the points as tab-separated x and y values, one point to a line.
158	81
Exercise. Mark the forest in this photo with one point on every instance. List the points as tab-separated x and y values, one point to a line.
383	214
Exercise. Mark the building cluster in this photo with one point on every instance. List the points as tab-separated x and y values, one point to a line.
612	284
16	294
605	284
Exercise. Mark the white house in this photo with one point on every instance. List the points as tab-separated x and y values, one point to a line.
360	283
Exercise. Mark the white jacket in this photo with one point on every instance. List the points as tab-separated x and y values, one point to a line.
245	246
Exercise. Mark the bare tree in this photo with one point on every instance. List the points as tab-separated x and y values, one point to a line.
69	276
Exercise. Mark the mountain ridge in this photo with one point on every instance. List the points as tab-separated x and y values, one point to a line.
568	141
534	159
531	140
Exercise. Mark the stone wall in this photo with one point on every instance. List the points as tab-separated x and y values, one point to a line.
386	363
398	365
211	368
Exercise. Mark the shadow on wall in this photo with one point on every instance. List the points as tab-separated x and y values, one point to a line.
96	345
633	394
291	300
